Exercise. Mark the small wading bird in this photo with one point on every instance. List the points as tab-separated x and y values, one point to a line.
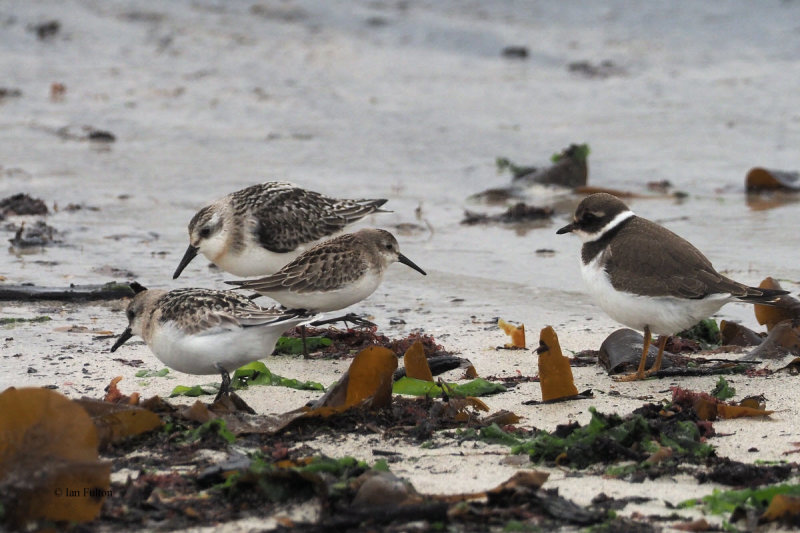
334	274
257	230
202	331
648	278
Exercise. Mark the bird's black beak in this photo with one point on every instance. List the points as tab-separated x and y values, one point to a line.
406	261
569	228
122	339
191	251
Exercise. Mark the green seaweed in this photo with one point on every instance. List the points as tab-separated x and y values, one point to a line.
722	390
195	391
607	439
257	373
721	502
280	483
580	153
152	373
12	321
215	426
419	387
705	332
294	345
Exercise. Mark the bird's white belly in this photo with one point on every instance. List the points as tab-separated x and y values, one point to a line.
334	300
198	354
665	315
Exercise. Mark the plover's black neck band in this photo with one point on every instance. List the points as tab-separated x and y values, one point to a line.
590	249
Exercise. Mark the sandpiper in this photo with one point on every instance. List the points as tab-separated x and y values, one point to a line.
202	331
334	274
259	229
648	278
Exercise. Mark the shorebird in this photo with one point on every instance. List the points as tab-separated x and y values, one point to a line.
334	274
202	331
257	230
648	278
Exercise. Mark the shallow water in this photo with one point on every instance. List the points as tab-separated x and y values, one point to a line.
410	102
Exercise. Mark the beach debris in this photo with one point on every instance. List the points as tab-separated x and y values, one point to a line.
705	333
735	334
439	364
762	179
590	189
416	363
474	388
36	235
605	69
255	373
782	340
294	345
710	408
722	390
49	466
737	474
786	307
607	439
660	186
754	505
555	374
418	381
11	321
6	92
519	212
57	91
569	169
117	422
367	382
73	293
515	52
46	30
22	204
621	352
517	334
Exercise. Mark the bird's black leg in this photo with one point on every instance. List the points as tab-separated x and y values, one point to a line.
225	386
303	337
349	317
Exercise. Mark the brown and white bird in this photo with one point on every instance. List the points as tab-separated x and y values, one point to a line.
334	274
202	331
647	277
257	230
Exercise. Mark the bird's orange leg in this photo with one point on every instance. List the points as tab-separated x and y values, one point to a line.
662	343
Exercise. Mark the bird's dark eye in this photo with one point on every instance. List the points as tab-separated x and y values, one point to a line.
205	233
589	217
130	315
389	246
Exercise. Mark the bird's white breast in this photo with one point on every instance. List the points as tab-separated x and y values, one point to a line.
665	315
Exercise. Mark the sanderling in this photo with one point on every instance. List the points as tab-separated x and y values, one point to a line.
648	278
202	331
259	229
334	274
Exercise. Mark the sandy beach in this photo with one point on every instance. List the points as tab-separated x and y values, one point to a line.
412	102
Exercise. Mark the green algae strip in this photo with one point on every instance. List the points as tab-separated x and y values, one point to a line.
11	321
721	502
255	373
419	387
